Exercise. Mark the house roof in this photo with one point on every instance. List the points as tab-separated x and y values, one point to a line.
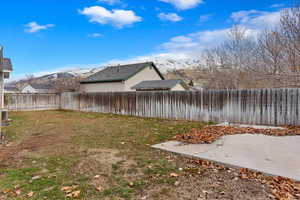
6	65
119	73
159	84
41	86
10	88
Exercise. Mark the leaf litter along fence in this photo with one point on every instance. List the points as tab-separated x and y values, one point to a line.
259	106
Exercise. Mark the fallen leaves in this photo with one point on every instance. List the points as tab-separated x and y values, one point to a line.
173	175
210	134
71	191
99	188
74	194
281	188
30	194
18	192
97	176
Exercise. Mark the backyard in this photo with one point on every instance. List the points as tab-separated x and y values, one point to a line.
76	155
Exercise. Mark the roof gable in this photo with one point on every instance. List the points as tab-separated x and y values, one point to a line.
119	73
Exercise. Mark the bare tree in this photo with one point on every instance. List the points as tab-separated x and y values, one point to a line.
29	78
290	29
270	60
66	84
228	62
271	53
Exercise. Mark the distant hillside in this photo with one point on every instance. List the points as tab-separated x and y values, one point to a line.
70	79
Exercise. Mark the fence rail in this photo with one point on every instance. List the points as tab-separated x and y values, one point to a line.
31	102
263	106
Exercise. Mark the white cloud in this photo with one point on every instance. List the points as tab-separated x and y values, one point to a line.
205	18
110	2
277	5
244	16
173	17
193	44
95	35
118	18
33	27
256	19
183	4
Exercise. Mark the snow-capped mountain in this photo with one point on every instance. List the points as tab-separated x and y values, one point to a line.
164	64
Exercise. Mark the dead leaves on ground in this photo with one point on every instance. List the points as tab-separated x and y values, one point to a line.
30	194
173	175
17	191
281	188
210	134
71	191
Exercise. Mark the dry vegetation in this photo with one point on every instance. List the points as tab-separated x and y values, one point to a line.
269	60
73	155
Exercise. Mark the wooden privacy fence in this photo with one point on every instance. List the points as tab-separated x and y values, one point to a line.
264	106
31	102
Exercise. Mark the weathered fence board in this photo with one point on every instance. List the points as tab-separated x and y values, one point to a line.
263	106
31	102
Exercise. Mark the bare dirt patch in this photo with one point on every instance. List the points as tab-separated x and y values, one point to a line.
100	164
97	161
14	152
209	188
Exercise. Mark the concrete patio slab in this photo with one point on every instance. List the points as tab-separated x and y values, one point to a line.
278	156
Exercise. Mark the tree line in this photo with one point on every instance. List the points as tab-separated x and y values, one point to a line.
271	59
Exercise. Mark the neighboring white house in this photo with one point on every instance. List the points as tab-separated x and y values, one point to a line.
162	85
37	88
120	78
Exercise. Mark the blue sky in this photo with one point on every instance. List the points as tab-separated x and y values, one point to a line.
44	36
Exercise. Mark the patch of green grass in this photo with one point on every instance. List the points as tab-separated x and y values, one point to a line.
45	179
123	192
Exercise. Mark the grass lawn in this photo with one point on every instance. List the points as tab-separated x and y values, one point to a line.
75	155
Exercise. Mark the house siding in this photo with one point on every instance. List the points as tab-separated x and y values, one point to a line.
149	73
102	87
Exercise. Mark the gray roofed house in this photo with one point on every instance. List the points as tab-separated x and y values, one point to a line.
11	89
38	88
171	85
119	73
120	78
5	64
